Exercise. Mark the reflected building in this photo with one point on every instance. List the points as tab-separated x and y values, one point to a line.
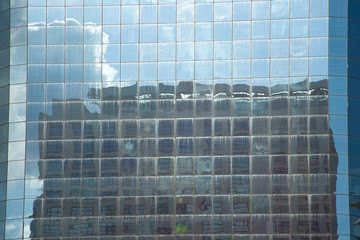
186	120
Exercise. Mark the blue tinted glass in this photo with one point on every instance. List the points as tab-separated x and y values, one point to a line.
299	8
222	31
319	8
167	13
299	27
242	11
280	28
204	12
260	29
204	31
319	27
36	93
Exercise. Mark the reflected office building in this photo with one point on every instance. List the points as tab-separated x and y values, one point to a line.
179	119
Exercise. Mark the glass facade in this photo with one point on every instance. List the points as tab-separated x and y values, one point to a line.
179	119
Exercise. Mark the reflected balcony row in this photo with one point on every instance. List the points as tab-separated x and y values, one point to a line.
216	185
132	147
226	224
108	110
200	127
151	90
180	205
124	167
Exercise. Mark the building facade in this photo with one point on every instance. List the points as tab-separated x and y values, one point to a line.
179	119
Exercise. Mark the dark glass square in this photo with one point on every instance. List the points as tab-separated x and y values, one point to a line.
222	185
109	186
73	130
147	147
184	225
184	108
222	127
300	225
184	146
222	107
129	109
128	186
260	165
203	146
222	205
90	207
147	186
110	129
204	108
184	166
54	130
203	205
91	129
165	166
240	145
240	165
166	108
109	110
279	165
165	205
281	225
165	185
240	127
128	128
129	147
203	224
185	127
261	224
166	147
146	206
222	225
279	145
260	184
53	169
319	125
279	125
184	185
299	204
260	204
260	126
319	164
222	145
166	128
147	167
320	204
280	204
222	165
203	127
148	109
184	205
128	206
147	128
241	204
279	184
279	106
110	148
241	107
109	207
240	184
109	167
90	168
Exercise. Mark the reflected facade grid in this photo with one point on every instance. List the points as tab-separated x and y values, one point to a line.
179	119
